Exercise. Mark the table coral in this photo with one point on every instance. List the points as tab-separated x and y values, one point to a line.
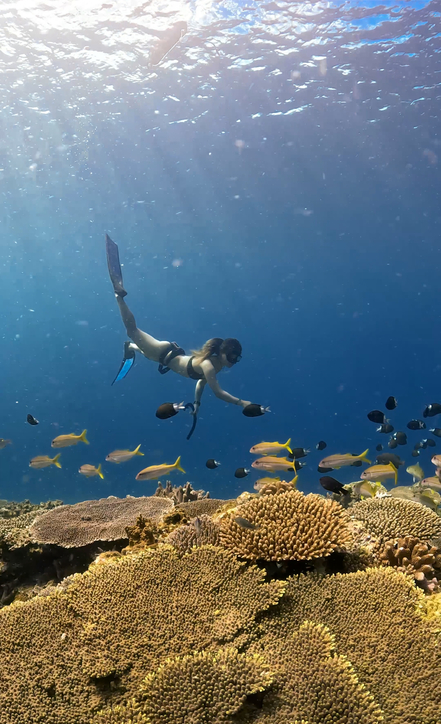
313	681
73	526
379	622
387	518
286	526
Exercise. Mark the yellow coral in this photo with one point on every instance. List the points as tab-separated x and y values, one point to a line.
387	518
286	526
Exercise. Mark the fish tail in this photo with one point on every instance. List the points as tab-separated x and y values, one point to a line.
363	456
294	482
178	465
287	444
395	472
136	451
83	437
56	459
100	472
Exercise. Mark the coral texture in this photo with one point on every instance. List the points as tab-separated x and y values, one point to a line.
180	494
200	531
312	681
420	560
73	526
286	526
387	518
377	618
205	506
73	652
275	486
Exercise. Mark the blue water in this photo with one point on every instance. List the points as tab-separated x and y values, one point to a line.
275	178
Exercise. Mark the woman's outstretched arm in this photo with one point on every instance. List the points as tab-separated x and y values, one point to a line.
210	377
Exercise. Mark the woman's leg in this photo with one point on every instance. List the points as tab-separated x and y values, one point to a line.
150	347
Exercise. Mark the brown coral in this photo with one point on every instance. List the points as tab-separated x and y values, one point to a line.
72	653
106	519
312	681
387	518
180	494
286	526
274	487
420	560
378	620
200	531
205	506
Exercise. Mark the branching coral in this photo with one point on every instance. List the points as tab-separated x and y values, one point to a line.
72	526
420	560
286	526
200	531
312	681
180	494
379	622
387	518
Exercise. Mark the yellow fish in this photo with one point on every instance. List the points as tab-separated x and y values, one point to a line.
334	462
156	471
270	448
433	482
367	489
265	481
68	440
43	461
416	471
378	473
121	456
3	443
89	471
272	464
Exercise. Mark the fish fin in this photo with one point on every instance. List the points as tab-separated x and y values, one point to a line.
83	438
56	459
363	456
395	473
100	472
294	481
287	444
178	465
136	451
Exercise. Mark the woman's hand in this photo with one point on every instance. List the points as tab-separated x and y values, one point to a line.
244	403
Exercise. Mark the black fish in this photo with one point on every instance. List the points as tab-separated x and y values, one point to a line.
386	458
415	453
31	420
391	403
420	445
324	470
332	485
430	442
168	409
416	425
436	431
298	452
321	445
392	443
432	410
385	428
298	465
400	438
212	464
242	472
254	410
379	447
377	416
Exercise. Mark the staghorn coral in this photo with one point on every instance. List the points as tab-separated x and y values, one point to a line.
378	620
90	643
412	556
200	531
387	518
286	526
200	688
180	494
73	526
312	681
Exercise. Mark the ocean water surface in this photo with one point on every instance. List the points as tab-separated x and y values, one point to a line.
271	172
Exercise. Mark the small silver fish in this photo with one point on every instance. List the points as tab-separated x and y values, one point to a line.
244	523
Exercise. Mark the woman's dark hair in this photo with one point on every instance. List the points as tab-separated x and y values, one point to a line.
230	347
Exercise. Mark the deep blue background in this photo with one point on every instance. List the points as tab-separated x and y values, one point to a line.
315	241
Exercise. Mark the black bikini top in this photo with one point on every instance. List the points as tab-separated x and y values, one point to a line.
191	372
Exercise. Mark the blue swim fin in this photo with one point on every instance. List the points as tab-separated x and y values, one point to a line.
126	364
114	267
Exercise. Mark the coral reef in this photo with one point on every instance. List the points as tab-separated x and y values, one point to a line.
387	518
69	654
200	531
378	621
205	506
420	560
275	486
180	494
312	681
199	688
73	526
286	526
